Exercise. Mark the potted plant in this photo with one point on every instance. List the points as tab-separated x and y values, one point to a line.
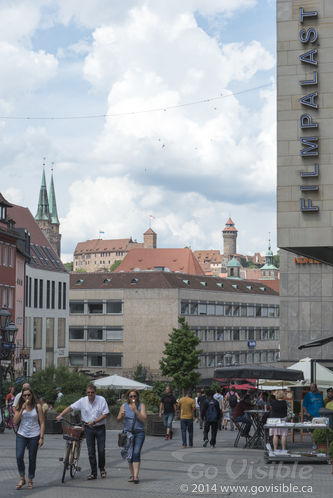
330	453
319	437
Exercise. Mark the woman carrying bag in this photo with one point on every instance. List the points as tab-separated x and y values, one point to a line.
134	414
30	418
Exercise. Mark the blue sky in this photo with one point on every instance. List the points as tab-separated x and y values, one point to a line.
190	167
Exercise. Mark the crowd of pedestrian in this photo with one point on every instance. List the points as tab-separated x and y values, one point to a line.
212	410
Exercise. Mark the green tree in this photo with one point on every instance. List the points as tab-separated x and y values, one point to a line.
115	264
180	357
69	266
276	260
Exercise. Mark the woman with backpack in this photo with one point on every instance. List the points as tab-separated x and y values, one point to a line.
231	399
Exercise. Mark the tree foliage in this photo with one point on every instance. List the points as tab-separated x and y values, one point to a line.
180	357
276	260
115	264
69	266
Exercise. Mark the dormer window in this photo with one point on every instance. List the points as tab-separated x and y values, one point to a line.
3	208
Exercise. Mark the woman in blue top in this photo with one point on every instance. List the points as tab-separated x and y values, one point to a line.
133	408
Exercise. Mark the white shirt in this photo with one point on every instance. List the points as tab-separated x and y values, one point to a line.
91	411
219	399
29	424
17	399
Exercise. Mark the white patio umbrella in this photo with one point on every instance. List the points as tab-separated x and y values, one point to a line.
120	383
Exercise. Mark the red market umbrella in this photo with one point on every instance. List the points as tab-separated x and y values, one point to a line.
241	387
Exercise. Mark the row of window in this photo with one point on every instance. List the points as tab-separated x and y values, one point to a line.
96	307
237	334
6	297
105	360
217	360
38	295
229	309
96	334
49	332
6	255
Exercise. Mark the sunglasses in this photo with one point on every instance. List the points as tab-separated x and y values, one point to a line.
132	396
25	395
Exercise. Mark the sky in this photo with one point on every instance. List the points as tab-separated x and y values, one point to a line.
156	113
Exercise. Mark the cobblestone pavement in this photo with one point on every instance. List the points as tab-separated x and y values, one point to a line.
167	470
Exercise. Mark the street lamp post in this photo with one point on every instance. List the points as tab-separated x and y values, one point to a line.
8	331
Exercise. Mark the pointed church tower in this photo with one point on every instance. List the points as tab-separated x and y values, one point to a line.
269	270
43	211
55	236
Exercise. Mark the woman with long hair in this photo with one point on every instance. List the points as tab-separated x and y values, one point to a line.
134	414
30	434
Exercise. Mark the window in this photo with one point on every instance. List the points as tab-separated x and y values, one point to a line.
64	296
48	283
59	295
202	309
61	332
37	342
194	308
76	360
76	307
251	334
50	333
263	356
270	355
242	334
202	361
95	360
243	309
40	293
115	334
95	334
114	360
211	360
235	310
256	358
227	334
210	309
5	256
27	291
271	334
219	335
184	308
228	309
52	294
277	334
271	311
76	334
95	307
258	334
114	307
35	292
11	257
250	310
10	298
219	309
264	311
236	334
265	334
210	335
242	358
201	334
258	310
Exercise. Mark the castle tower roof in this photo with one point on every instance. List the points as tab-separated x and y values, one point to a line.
230	226
43	211
53	204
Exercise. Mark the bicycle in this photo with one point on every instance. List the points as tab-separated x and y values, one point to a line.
73	434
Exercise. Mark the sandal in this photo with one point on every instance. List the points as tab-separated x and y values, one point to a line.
30	484
131	479
136	481
21	483
103	474
91	477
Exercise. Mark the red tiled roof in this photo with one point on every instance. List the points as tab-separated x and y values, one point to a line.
100	245
42	253
273	284
212	256
176	260
149	231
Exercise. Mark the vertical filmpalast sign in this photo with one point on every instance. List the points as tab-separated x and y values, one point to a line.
309	144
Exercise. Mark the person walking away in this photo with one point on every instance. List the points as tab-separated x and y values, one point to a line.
94	411
219	398
187	407
312	401
134	414
279	410
168	405
201	398
30	418
239	414
211	413
59	394
9	406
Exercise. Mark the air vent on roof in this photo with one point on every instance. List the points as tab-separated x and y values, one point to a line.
79	282
249	287
107	280
204	284
263	289
235	286
134	280
187	282
219	284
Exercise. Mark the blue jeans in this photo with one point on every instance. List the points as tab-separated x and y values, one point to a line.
21	444
139	437
246	419
187	425
168	419
92	435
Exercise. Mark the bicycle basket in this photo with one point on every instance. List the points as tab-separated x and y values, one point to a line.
72	432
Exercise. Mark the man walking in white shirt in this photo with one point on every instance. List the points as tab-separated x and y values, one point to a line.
94	411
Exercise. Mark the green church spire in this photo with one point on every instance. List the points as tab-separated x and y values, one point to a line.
43	212
53	203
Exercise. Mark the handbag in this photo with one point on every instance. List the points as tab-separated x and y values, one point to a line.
122	436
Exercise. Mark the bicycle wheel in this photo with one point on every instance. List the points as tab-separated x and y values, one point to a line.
66	461
74	467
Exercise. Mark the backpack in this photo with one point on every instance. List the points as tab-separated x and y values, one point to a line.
232	400
211	413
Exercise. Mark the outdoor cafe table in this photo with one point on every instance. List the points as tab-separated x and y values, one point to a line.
258	439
